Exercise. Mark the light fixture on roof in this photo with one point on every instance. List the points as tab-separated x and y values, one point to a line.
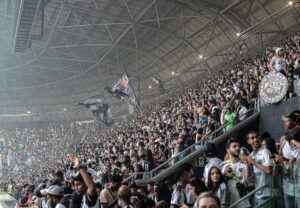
150	87
200	56
65	109
238	34
290	3
28	112
173	73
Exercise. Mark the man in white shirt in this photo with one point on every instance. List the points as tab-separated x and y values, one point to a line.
237	172
285	155
261	162
179	195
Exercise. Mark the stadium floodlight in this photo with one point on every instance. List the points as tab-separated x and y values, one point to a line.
173	73
150	87
290	3
200	56
65	109
28	112
238	34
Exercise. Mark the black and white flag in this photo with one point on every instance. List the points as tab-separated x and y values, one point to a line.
123	90
159	85
100	108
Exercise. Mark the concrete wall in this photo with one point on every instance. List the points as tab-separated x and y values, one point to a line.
270	116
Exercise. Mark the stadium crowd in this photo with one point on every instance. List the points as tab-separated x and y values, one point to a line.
41	161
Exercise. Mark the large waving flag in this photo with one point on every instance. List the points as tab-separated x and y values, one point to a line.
159	85
123	90
100	108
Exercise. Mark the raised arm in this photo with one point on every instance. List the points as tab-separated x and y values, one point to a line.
86	177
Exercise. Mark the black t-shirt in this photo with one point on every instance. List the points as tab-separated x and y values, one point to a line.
83	201
76	200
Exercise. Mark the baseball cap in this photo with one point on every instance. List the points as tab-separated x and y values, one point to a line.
231	140
53	190
291	116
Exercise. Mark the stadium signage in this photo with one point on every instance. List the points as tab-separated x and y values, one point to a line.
273	87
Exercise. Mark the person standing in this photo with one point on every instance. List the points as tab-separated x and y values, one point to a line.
55	195
284	156
261	162
197	187
108	196
84	186
179	195
124	196
229	119
278	62
151	192
237	172
213	161
217	185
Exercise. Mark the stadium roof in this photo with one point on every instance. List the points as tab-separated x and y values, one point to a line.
78	47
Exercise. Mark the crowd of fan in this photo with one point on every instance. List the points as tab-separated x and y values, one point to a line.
24	152
146	139
275	169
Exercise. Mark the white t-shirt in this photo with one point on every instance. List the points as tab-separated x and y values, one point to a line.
297	177
238	170
242	113
263	157
179	196
224	194
296	154
127	206
279	63
288	182
291	184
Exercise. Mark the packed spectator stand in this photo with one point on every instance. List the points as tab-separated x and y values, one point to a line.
47	161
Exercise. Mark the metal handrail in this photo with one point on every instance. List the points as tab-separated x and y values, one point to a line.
250	194
186	150
196	154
